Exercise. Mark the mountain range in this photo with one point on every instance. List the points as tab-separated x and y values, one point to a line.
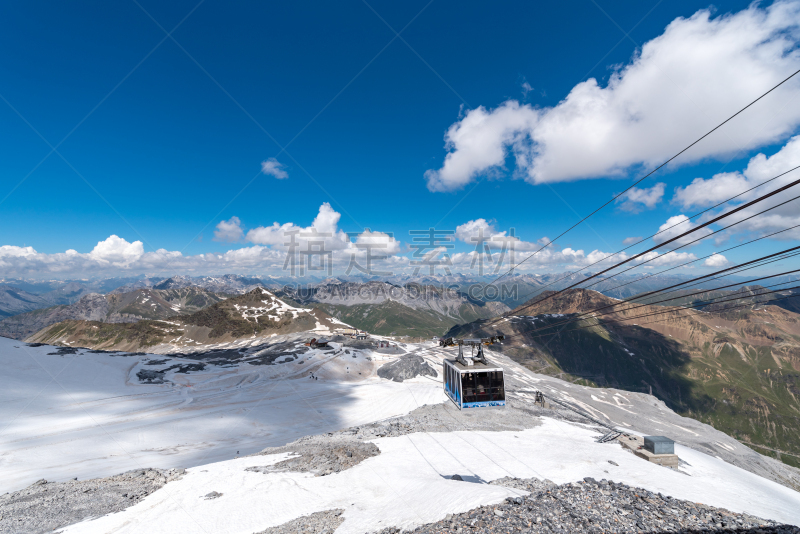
388	309
14	300
20	296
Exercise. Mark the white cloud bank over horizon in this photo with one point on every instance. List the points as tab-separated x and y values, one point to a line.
680	85
267	254
482	234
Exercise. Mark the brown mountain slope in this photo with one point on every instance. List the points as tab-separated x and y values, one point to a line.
256	313
128	307
737	370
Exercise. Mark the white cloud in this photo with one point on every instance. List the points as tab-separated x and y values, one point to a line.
380	242
229	231
324	227
676	226
478	144
716	260
760	168
703	193
17	252
272	167
470	230
631	240
117	251
526	88
635	199
480	233
654	259
114	255
27	262
517	249
681	84
549	257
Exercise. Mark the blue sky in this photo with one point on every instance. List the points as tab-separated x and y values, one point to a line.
162	153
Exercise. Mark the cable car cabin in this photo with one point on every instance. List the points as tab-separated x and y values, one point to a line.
474	386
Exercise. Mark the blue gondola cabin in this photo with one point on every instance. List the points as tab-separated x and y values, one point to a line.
474	386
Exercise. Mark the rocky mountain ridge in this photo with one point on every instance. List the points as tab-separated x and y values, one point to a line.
255	313
229	283
127	307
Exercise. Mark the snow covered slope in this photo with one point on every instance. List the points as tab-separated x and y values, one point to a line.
85	414
406	484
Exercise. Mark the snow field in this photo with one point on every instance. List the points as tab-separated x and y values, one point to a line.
405	485
87	415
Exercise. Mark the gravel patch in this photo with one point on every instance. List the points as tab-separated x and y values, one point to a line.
318	523
152	376
591	506
406	367
321	455
45	506
446	417
61	351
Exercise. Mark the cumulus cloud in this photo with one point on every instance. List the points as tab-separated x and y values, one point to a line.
324	227
381	242
482	234
272	167
470	230
716	260
229	231
26	261
760	168
654	259
676	226
268	252
324	234
703	193
11	251
117	251
479	143
631	240
637	199
115	255
680	85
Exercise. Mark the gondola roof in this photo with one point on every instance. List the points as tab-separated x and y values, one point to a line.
475	367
